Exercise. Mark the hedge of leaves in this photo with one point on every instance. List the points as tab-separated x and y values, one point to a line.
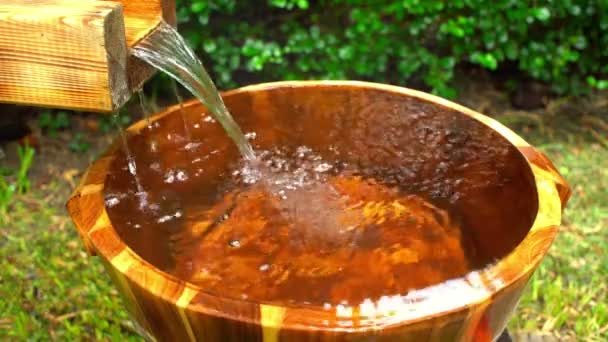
561	42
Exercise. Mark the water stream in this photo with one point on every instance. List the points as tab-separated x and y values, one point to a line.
180	101
296	188
130	159
167	50
144	107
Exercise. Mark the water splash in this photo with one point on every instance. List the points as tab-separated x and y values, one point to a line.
167	51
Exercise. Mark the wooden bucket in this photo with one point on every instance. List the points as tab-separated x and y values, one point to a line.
517	221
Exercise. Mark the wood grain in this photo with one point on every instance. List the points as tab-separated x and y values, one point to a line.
474	308
74	53
62	52
141	18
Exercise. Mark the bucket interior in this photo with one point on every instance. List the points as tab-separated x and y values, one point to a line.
420	147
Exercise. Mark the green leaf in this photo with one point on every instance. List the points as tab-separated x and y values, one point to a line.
198	6
486	60
542	14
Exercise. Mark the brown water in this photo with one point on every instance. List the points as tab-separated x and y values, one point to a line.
296	227
344	201
286	225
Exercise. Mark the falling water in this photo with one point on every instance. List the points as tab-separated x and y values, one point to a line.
180	100
144	107
130	160
166	50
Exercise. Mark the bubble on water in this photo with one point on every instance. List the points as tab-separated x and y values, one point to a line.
155	167
264	267
455	197
234	243
175	175
442	167
112	201
132	167
137	226
191	146
169	177
302	151
142	198
208	118
323	167
164	219
167	218
196	126
181	176
153	146
250	174
250	135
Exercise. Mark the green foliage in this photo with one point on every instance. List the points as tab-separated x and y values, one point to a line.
26	157
79	144
21	182
108	123
410	42
7	191
52	290
599	84
53	122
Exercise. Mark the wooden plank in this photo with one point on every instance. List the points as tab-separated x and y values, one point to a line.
63	53
141	18
74	53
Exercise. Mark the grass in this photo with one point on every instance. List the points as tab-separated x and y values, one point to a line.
567	295
50	289
21	184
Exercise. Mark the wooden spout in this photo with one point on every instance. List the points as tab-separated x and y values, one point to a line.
74	54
